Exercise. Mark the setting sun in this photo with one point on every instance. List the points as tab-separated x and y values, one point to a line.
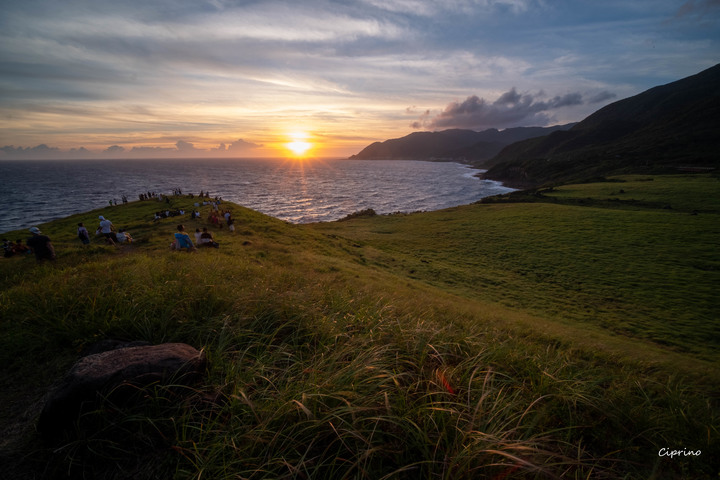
299	145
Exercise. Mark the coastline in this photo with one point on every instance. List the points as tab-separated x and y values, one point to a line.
298	192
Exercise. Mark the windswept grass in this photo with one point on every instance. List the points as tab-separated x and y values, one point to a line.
384	347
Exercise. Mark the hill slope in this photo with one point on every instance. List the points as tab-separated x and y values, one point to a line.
673	125
454	144
485	341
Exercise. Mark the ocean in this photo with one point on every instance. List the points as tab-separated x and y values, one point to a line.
34	192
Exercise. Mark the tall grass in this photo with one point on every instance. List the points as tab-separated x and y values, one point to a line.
328	358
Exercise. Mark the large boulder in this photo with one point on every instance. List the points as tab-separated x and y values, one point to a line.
115	375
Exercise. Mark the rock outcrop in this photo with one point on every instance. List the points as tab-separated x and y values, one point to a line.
116	375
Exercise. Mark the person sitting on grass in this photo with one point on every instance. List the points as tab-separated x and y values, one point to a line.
182	240
20	249
207	240
8	247
123	236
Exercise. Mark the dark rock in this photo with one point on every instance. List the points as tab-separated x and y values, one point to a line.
115	375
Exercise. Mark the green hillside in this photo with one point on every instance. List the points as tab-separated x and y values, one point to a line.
659	130
569	333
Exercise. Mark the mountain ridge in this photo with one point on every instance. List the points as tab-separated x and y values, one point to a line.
664	128
452	144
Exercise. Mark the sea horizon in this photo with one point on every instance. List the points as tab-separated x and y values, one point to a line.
297	191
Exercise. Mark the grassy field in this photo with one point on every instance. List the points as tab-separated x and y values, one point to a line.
630	271
565	334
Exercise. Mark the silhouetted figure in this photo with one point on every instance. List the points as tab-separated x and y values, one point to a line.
83	234
41	245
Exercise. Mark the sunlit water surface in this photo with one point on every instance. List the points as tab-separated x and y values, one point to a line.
33	192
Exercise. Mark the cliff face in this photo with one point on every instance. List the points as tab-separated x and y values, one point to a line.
666	127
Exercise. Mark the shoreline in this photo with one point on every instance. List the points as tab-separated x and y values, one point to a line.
293	192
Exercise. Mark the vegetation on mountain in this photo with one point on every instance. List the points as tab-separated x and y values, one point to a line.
664	129
557	333
454	144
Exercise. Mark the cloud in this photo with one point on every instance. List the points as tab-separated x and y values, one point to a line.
43	152
181	149
241	146
430	8
80	74
40	149
152	151
510	109
185	147
698	8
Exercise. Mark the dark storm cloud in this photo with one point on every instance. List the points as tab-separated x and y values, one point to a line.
510	109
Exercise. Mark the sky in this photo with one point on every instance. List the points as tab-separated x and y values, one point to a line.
234	78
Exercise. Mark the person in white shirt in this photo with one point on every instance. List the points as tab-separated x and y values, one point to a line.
106	228
123	237
207	240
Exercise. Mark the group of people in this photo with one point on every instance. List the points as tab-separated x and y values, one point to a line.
168	213
17	248
38	244
107	230
147	196
113	202
203	238
42	247
215	217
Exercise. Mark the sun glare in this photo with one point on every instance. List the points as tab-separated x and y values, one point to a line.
299	144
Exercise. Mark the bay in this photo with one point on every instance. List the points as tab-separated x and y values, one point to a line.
34	192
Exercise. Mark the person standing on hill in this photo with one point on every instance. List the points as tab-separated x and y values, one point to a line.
83	234
41	245
106	228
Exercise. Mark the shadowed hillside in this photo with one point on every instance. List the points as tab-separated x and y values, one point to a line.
666	128
454	144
